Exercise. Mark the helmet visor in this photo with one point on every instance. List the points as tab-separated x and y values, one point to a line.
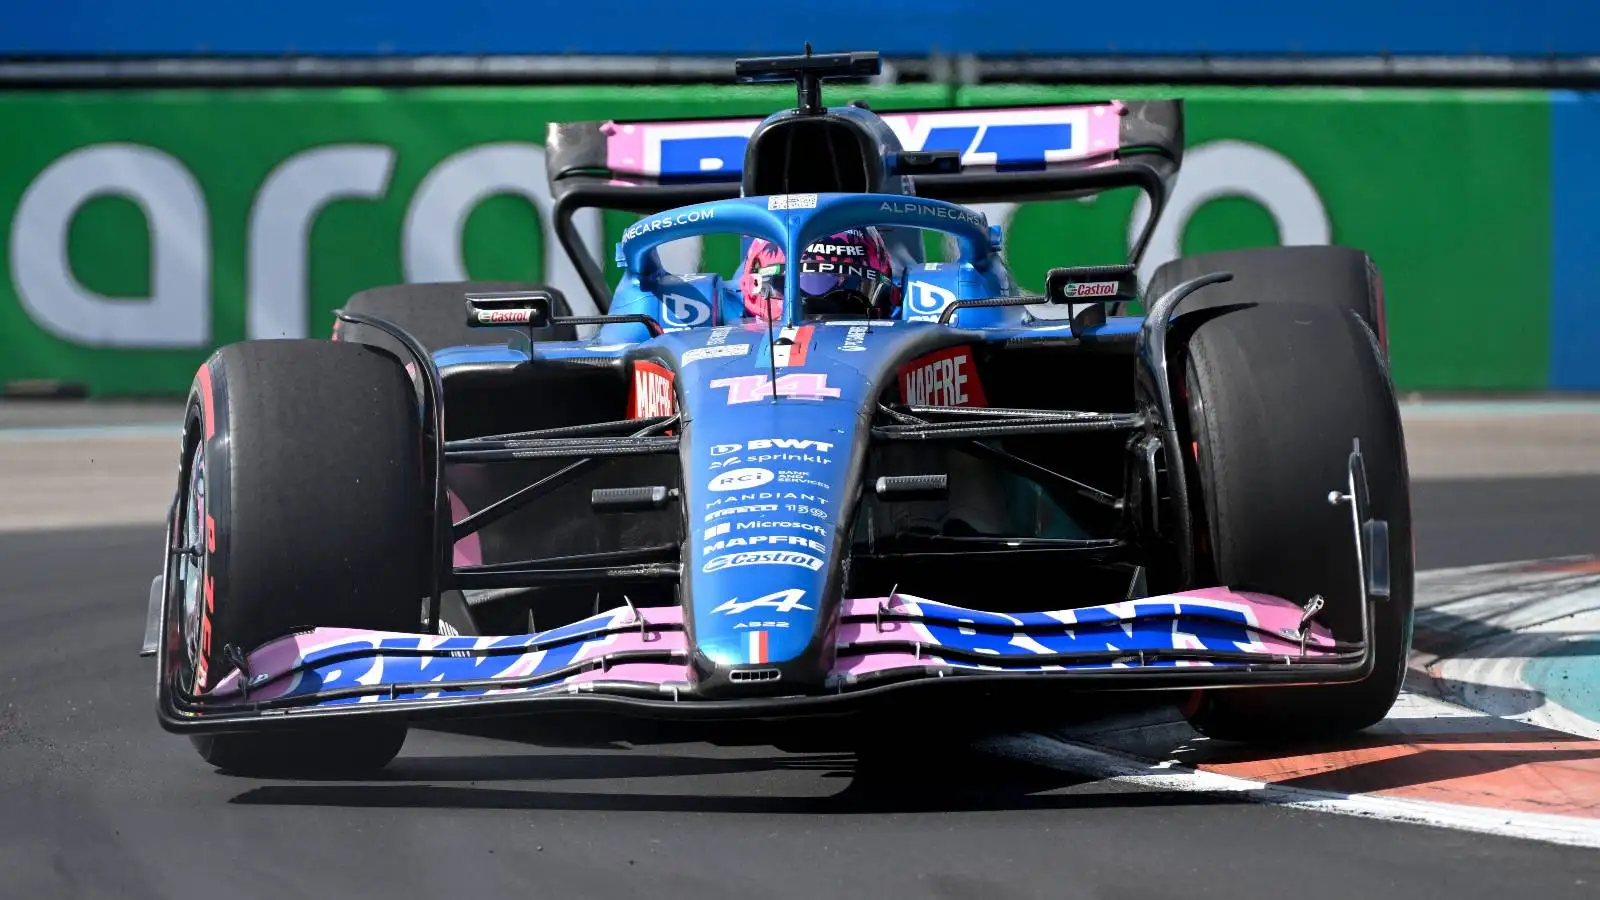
819	279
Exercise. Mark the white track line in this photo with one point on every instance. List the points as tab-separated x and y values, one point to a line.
169	430
1514	614
1082	759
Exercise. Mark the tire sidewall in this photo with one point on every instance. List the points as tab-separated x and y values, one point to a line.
206	428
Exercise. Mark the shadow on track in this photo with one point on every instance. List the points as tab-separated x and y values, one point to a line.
968	781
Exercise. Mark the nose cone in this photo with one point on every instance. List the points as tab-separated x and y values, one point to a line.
772	472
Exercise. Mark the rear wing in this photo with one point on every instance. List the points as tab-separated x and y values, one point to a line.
1007	154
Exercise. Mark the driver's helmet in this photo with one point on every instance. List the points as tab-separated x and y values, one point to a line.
846	274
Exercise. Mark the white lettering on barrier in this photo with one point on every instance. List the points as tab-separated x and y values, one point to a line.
436	219
286	208
1232	169
177	311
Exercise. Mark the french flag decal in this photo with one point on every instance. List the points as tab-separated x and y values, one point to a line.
790	348
758	646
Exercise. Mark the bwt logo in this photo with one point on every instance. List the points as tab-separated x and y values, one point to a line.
1138	626
772	444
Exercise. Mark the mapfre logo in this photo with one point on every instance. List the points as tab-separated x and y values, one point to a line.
946	378
825	249
651	393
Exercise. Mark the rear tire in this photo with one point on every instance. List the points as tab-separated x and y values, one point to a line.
1275	394
312	511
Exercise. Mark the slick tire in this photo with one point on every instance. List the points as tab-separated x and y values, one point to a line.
1340	277
436	315
1274	395
303	487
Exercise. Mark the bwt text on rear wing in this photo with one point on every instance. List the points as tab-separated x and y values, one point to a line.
983	155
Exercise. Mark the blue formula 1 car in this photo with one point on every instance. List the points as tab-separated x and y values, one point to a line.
842	477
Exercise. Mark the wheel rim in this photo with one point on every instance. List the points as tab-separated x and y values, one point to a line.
192	565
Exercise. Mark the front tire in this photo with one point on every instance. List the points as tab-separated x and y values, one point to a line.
1329	275
1275	394
304	491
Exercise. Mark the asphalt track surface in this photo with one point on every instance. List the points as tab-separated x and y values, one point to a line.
97	801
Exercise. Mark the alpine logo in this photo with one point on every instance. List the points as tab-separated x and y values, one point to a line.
782	601
651	393
946	378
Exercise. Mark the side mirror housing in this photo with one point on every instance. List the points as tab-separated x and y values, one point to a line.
529	309
1091	287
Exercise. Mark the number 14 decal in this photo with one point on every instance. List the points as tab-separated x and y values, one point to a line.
797	386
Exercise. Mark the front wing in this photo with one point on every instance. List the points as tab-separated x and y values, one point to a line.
637	660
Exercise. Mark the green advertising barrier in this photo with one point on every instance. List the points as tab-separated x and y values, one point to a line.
1449	191
145	229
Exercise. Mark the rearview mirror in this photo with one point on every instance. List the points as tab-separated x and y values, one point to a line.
530	309
1091	284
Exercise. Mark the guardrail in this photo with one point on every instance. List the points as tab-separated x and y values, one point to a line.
1473	71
